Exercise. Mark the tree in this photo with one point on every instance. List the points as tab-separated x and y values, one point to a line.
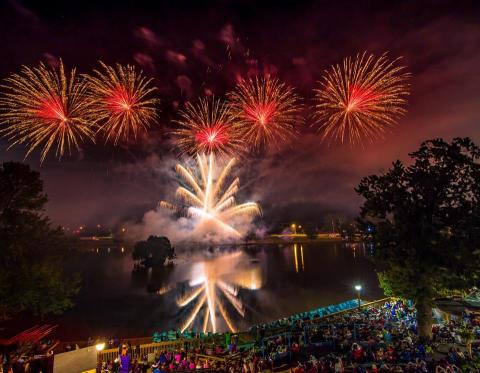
425	222
31	251
154	251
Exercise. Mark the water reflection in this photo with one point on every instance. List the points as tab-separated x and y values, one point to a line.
295	256
213	291
360	249
268	282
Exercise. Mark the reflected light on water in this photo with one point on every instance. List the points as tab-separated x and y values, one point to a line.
214	284
295	257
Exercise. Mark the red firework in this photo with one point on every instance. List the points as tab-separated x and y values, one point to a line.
208	126
122	103
212	138
267	110
45	108
52	108
361	98
260	113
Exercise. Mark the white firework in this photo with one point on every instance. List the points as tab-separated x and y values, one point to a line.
205	198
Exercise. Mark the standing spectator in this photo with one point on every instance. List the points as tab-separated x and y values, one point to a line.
124	361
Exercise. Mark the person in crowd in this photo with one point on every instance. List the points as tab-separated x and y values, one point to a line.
124	361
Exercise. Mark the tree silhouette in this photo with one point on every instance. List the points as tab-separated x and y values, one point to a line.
31	252
152	252
425	222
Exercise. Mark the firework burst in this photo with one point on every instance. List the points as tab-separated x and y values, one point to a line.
361	98
122	105
44	107
268	110
206	200
208	126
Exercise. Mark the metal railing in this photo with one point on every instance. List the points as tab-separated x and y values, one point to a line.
138	352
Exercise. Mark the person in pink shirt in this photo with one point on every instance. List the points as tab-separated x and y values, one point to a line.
178	357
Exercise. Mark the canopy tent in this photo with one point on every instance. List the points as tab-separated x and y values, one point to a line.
29	336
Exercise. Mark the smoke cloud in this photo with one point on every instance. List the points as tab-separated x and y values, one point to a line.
193	228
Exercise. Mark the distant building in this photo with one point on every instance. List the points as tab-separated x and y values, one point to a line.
329	236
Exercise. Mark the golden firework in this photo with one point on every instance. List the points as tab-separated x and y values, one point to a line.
42	106
208	126
267	109
361	98
206	199
122	105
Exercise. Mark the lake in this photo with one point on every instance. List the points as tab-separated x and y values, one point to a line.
240	286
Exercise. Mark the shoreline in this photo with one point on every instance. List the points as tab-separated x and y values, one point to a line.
92	245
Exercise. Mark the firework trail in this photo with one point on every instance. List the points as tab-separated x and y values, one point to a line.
205	198
121	102
208	126
267	110
361	98
45	107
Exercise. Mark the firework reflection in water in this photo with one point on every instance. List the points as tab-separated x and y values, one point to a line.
213	295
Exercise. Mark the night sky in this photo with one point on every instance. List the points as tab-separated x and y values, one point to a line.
198	47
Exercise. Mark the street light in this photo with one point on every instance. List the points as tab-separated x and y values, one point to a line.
358	288
100	346
294	229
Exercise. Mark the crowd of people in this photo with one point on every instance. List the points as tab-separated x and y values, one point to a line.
37	359
308	315
371	339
